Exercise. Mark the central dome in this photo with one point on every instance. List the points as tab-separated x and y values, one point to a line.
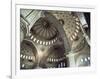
43	29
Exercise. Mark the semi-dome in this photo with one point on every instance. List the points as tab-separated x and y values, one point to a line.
28	55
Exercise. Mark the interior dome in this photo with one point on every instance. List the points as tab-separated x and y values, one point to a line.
43	29
56	52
